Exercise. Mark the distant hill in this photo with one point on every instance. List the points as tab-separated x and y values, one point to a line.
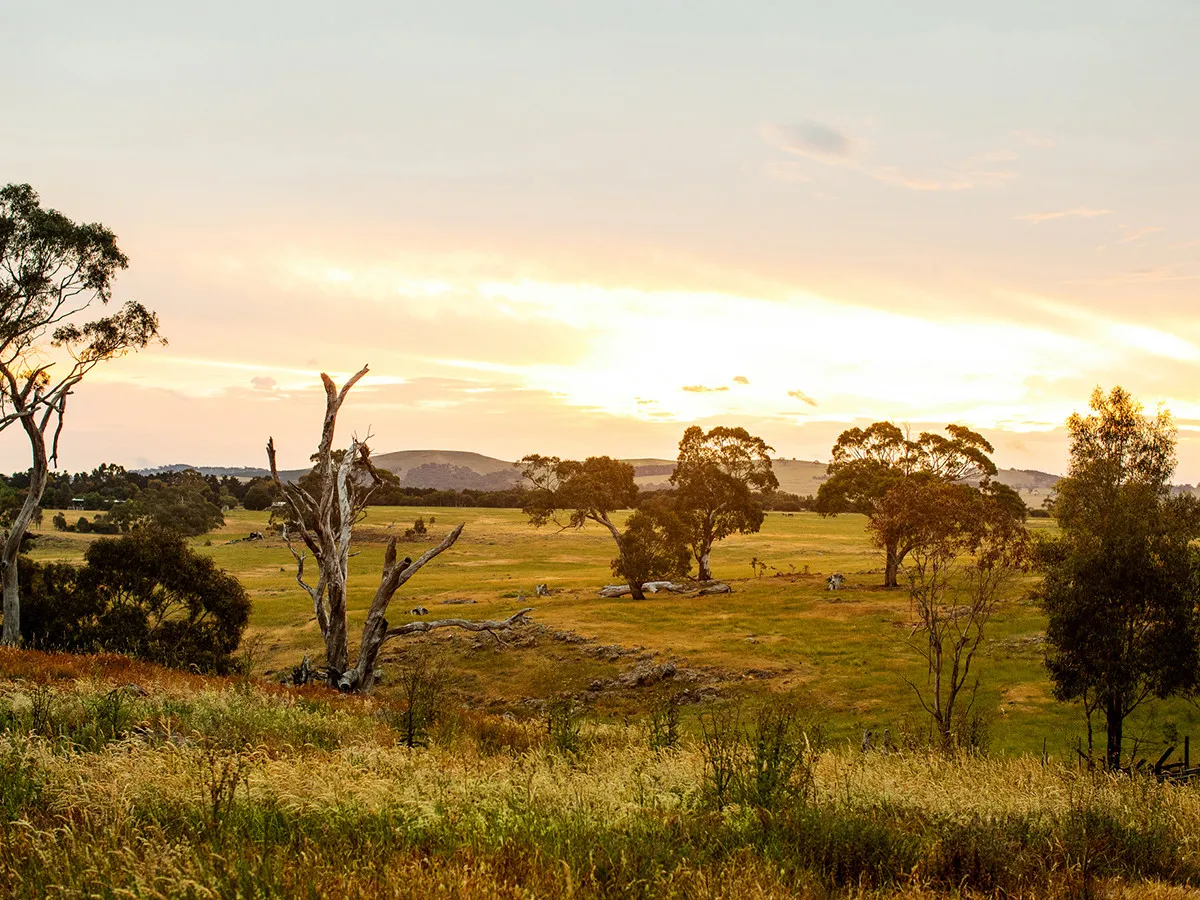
219	471
449	469
464	470
803	477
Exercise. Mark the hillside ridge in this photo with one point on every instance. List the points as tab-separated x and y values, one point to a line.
466	469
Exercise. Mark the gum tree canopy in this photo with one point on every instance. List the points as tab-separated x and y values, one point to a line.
587	491
53	272
719	478
1122	584
869	462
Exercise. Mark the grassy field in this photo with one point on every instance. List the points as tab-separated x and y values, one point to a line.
120	779
782	632
548	770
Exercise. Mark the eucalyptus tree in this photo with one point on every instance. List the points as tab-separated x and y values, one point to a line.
1122	580
53	273
720	479
869	462
570	493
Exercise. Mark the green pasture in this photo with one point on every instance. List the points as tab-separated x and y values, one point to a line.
780	631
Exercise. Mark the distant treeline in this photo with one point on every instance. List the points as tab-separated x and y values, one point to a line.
108	487
388	495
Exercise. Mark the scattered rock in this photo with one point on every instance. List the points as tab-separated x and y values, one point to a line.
647	674
570	637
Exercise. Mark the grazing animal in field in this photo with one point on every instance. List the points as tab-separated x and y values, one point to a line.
419	611
835	581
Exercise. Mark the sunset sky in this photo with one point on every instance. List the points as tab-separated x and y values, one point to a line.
577	228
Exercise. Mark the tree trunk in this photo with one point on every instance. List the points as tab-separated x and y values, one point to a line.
12	607
337	653
891	571
635	587
635	584
11	636
704	571
324	517
1114	725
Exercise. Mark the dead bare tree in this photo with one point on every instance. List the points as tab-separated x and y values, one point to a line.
966	550
323	515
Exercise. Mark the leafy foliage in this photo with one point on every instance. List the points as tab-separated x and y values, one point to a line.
720	477
655	544
588	491
184	505
1122	581
868	462
52	271
146	594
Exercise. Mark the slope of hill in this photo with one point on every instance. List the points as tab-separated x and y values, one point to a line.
219	471
465	470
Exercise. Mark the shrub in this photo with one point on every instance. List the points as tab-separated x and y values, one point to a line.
766	766
564	724
146	594
420	687
494	735
723	751
664	722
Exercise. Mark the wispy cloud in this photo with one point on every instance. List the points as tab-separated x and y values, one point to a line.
811	138
264	383
1148	275
824	144
740	379
1136	234
703	389
1080	212
800	395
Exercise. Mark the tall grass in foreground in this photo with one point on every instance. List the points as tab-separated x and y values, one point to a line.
183	792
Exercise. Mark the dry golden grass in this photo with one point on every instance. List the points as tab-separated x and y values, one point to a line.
213	788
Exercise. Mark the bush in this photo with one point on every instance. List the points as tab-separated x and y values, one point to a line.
420	687
664	723
767	766
260	494
564	724
146	594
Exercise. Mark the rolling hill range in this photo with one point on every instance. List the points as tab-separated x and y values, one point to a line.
464	470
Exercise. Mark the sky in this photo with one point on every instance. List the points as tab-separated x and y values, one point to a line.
577	228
